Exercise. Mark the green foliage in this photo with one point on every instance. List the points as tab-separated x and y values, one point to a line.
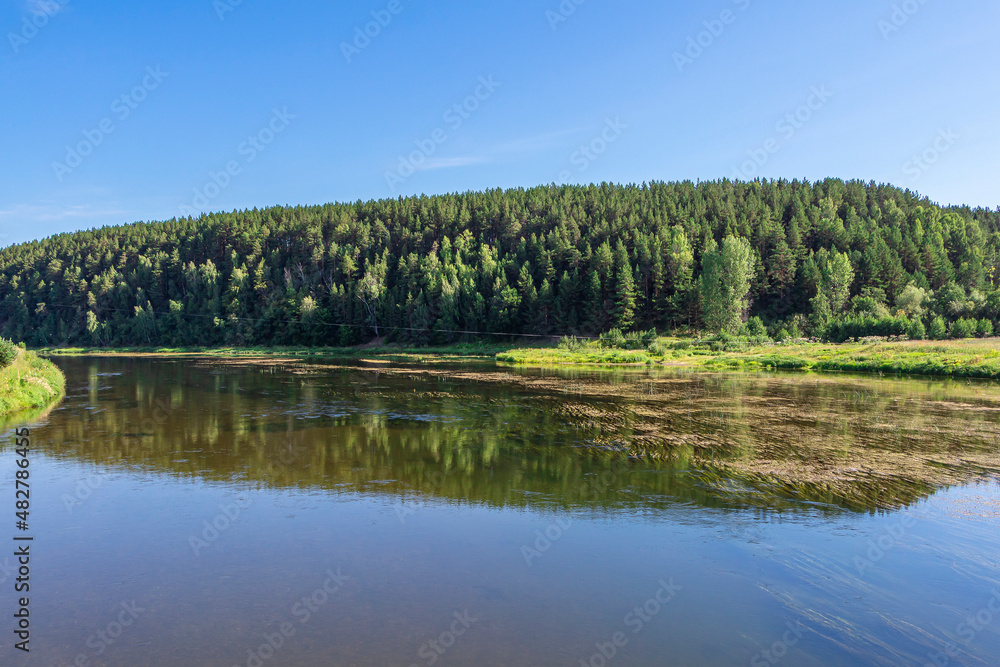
570	343
984	328
725	283
28	381
553	260
916	330
637	340
847	327
912	300
8	352
963	328
938	330
755	327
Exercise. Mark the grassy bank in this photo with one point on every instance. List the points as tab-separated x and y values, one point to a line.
977	358
30	382
955	358
480	351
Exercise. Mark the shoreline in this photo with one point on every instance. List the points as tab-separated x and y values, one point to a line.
968	358
31	385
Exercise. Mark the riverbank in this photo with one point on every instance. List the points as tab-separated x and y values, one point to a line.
974	358
30	382
459	352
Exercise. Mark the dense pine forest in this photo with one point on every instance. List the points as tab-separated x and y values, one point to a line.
829	259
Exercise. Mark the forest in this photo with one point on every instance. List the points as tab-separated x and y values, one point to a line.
832	259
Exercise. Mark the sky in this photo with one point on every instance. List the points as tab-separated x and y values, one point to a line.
118	112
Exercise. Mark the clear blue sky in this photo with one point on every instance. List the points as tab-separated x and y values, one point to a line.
184	86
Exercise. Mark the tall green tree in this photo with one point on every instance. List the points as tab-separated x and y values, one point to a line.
725	283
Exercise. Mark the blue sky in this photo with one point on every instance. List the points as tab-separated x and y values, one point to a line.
120	112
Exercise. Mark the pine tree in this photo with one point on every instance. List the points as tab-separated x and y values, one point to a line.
625	294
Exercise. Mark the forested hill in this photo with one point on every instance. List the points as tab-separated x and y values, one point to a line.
546	261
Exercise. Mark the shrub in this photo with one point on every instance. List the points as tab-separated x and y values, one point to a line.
634	341
8	353
782	335
614	338
847	327
984	328
571	343
938	331
657	349
754	327
963	328
916	330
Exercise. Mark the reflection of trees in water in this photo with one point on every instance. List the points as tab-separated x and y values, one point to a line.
714	440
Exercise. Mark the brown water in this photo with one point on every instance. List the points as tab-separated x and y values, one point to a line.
202	512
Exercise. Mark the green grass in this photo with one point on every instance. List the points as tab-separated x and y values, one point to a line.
390	352
957	358
30	382
976	358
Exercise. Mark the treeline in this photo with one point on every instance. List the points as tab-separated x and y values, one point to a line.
552	260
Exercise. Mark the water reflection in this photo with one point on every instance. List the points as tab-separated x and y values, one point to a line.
606	442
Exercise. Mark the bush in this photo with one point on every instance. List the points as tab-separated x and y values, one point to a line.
754	327
8	353
938	331
963	328
571	343
657	349
984	328
916	330
847	327
615	339
782	335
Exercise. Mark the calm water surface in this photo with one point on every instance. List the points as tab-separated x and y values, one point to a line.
192	512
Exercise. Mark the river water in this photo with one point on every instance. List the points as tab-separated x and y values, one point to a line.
210	512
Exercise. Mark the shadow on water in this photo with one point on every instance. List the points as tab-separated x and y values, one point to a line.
610	442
